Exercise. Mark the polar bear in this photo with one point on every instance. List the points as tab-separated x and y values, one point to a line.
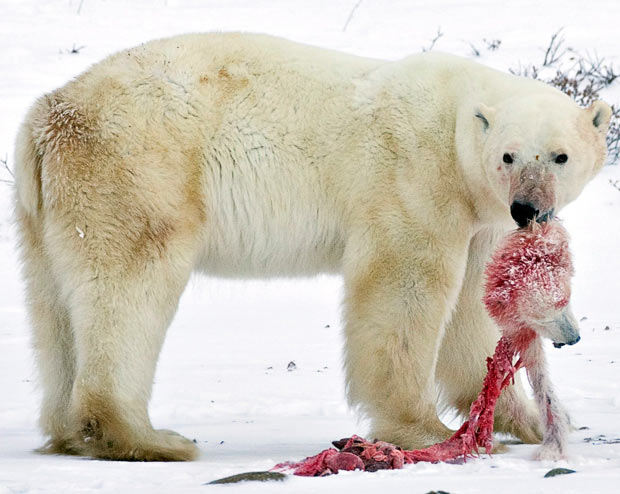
248	155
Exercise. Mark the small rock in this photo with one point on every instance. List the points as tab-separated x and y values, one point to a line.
251	477
584	428
559	471
437	492
607	328
291	366
584	318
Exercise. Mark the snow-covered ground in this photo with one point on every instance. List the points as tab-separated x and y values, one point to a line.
222	377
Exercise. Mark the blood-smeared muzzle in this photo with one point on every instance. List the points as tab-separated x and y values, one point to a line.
532	196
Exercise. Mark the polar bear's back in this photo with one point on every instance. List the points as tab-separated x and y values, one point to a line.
249	121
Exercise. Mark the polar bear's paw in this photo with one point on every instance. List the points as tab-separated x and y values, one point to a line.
165	445
58	446
160	445
121	443
411	435
529	433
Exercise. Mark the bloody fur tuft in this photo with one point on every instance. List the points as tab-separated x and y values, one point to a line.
532	267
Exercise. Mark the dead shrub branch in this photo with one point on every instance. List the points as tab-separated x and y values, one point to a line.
582	77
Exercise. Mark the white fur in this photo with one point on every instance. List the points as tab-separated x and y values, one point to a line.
245	155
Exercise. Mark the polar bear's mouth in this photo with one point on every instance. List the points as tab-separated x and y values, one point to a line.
560	345
524	212
548	216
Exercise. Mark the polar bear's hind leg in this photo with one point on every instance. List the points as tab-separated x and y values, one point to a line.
106	258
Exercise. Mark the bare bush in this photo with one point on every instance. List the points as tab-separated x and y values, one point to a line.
492	44
4	163
474	51
582	77
434	40
74	50
555	50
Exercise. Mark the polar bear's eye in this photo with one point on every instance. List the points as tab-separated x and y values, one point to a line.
561	158
507	158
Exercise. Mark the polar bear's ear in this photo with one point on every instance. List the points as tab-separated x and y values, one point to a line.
600	113
486	114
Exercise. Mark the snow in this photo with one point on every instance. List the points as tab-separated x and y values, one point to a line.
222	377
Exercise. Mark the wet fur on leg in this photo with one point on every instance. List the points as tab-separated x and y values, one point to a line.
102	434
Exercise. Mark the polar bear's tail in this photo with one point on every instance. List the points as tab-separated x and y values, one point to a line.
29	153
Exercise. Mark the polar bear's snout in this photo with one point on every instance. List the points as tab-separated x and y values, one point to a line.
533	195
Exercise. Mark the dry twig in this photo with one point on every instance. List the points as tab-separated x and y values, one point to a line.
346	24
434	40
554	51
5	165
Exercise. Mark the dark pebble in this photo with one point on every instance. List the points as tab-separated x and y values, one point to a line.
251	477
558	471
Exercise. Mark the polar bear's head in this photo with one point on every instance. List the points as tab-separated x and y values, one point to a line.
538	151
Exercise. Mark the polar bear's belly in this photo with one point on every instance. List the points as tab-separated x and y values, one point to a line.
268	214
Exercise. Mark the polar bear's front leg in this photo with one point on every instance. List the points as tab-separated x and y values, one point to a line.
396	302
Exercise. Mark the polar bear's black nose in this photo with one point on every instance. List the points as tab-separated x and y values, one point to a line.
522	213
